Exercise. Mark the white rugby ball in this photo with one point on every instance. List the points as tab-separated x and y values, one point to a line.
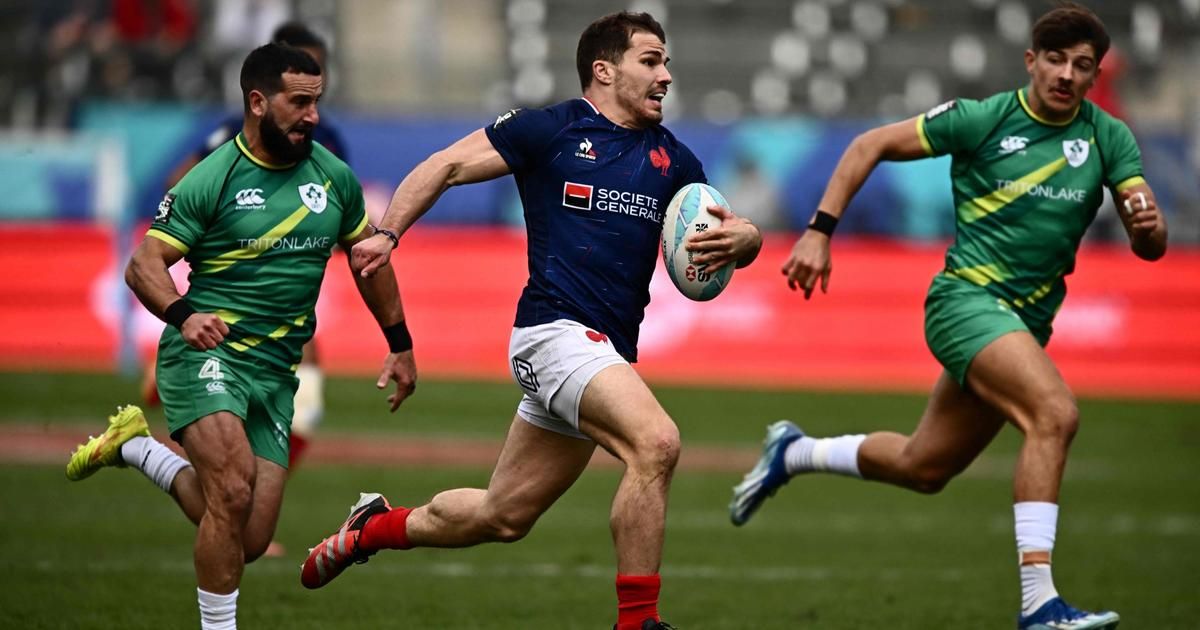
687	214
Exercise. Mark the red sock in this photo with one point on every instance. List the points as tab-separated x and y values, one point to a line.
637	600
296	447
386	531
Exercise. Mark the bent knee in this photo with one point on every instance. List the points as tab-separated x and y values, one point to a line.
657	452
232	499
509	527
928	479
1056	419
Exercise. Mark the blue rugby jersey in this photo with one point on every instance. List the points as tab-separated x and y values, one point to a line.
594	195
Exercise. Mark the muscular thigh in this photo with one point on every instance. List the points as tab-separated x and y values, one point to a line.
1015	375
955	427
536	466
621	414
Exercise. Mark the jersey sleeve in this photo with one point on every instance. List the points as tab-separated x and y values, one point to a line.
184	212
954	126
520	135
354	212
1122	158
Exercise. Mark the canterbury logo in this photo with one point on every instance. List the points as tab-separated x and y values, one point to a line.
250	197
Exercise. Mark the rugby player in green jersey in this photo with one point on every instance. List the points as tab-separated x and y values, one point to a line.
1028	171
256	220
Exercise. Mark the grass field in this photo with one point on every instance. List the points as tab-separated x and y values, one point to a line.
830	553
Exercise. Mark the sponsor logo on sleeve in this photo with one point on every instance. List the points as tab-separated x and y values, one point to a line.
940	109
163	216
506	116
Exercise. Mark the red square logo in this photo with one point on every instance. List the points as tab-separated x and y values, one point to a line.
578	196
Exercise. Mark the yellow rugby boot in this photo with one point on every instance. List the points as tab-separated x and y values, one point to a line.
105	450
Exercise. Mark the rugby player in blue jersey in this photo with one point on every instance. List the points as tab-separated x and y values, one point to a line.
595	175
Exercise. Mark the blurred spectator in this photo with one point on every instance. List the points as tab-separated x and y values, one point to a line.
753	196
1106	91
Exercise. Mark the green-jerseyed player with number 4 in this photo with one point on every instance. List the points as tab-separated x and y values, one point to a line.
1028	171
256	220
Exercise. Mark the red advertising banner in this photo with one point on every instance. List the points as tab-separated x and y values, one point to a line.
1128	328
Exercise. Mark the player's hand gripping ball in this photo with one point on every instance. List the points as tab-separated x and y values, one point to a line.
688	214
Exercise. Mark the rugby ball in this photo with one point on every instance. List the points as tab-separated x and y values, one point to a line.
687	214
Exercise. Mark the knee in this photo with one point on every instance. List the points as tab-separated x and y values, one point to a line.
230	499
509	526
1056	419
929	479
656	452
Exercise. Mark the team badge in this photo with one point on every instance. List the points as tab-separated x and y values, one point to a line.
314	197
1076	151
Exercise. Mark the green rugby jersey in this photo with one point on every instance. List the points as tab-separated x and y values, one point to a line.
1025	190
258	237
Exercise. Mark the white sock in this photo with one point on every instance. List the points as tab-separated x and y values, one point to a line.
309	401
217	612
836	455
159	463
1036	524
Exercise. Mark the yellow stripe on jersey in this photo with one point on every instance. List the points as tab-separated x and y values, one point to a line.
1130	183
227	316
249	342
981	207
981	275
352	234
245	344
1029	110
250	156
168	239
921	134
1038	294
261	244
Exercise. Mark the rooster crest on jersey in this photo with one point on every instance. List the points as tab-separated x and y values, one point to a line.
688	214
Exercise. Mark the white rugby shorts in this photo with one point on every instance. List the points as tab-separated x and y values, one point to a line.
553	363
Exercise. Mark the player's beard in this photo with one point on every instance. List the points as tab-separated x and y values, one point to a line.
276	142
633	98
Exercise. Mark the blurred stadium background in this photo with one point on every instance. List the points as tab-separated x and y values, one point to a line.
99	99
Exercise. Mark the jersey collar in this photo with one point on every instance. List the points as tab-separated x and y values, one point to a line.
240	141
1029	110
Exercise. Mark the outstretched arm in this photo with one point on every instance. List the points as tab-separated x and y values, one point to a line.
1143	221
382	297
810	258
471	159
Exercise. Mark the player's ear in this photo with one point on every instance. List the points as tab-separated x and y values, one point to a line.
602	71
258	103
1030	58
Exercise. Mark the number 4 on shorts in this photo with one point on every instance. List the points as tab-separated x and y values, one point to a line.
211	369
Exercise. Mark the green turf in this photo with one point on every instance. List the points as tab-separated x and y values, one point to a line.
830	553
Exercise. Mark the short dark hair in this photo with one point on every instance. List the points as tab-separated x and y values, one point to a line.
608	38
1070	24
265	66
298	35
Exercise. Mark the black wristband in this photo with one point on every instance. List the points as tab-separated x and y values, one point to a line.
392	236
397	336
178	312
824	223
